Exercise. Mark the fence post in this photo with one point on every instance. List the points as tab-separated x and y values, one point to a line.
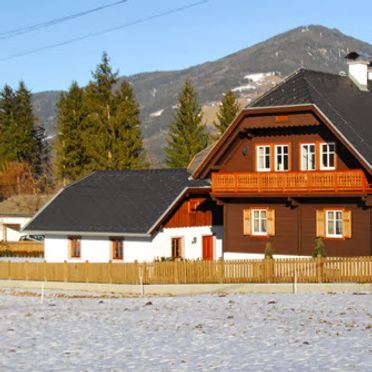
86	266
65	268
144	272
175	271
110	271
137	271
26	270
9	270
221	269
268	269
45	271
319	268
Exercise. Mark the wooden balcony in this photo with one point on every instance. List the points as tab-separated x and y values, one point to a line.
317	182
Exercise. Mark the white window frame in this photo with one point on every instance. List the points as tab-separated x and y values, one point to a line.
322	166
303	145
283	156
335	220
259	169
259	210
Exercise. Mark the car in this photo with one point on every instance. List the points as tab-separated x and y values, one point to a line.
32	238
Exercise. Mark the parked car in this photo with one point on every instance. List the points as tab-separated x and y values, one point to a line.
32	238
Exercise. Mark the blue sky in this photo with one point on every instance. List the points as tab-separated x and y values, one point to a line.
195	35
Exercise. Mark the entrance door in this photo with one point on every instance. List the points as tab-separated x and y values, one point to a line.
208	247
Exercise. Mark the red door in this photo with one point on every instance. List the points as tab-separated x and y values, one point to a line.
208	247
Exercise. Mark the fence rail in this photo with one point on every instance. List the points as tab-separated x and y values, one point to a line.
305	270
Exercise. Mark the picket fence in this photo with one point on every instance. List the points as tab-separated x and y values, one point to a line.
303	270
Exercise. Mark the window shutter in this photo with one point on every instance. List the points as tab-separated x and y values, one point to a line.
346	223
320	223
247	225
271	222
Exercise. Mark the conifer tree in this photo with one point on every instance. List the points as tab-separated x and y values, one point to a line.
187	134
229	108
70	153
112	135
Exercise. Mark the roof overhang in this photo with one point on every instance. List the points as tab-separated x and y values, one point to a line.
205	167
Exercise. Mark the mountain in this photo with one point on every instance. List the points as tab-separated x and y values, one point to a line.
249	72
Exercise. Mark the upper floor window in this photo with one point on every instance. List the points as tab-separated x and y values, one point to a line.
327	156
308	156
74	243
117	249
281	157
263	156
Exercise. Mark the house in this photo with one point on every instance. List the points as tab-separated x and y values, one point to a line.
296	165
16	211
131	215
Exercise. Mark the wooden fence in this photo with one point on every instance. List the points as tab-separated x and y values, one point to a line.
305	270
22	249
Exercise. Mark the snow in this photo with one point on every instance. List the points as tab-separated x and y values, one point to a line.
244	87
218	332
156	114
258	76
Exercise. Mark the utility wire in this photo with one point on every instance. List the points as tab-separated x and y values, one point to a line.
27	29
106	31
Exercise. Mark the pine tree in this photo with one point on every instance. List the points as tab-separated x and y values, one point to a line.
70	153
187	134
112	135
228	110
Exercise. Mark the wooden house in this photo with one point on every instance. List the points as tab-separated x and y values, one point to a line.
297	165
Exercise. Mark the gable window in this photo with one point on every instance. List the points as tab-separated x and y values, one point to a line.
333	223
308	156
263	155
117	249
327	156
281	157
75	243
176	247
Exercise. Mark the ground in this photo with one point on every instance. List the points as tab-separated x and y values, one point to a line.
278	332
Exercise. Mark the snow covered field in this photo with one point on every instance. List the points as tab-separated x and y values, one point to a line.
229	333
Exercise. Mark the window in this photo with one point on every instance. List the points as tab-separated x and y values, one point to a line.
117	249
263	154
334	224
327	156
308	157
259	222
74	247
281	157
176	247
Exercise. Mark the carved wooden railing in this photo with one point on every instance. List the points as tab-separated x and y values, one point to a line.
345	181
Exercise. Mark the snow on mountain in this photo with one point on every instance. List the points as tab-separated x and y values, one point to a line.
156	114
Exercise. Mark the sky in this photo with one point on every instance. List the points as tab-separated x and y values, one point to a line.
156	34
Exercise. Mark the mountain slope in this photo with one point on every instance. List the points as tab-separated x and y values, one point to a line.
313	47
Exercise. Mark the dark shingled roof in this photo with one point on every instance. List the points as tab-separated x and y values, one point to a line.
346	106
198	158
129	201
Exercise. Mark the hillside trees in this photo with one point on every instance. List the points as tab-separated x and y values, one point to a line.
187	135
228	109
107	126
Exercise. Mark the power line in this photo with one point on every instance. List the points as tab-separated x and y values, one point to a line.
27	29
106	31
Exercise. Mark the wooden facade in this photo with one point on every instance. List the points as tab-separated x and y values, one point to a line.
286	178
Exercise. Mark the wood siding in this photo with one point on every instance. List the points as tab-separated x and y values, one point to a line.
296	227
195	211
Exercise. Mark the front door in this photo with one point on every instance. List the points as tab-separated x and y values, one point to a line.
208	247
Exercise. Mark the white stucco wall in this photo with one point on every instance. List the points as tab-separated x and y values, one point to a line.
358	71
253	256
140	249
9	234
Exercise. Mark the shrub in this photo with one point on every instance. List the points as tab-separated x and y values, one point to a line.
319	248
268	250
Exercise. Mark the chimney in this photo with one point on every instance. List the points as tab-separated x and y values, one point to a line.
359	70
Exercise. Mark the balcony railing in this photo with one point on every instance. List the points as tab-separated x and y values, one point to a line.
345	181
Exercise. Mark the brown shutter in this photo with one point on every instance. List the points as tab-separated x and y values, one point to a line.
247	225
346	223
271	222
320	223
